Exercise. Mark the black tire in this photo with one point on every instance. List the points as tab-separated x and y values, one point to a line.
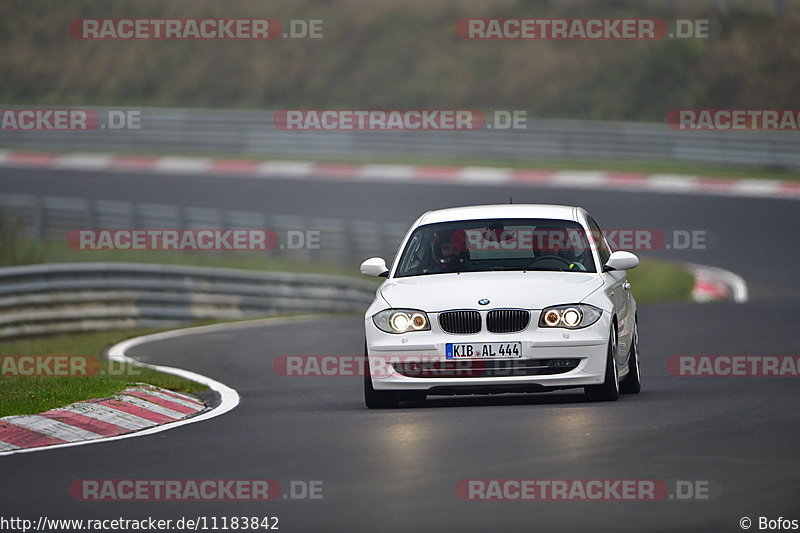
632	383
376	399
609	390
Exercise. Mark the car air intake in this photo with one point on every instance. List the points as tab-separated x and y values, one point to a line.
485	368
507	320
460	321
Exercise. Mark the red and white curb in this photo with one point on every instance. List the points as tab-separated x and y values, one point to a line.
715	284
135	408
456	175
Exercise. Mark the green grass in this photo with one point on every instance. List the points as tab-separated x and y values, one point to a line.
30	395
659	281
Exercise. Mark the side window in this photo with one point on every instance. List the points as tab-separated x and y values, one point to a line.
412	258
602	246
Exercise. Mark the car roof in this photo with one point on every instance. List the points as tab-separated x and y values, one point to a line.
478	212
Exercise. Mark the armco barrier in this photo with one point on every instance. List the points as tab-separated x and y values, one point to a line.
66	297
247	132
341	241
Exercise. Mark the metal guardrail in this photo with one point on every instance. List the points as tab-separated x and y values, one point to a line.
247	132
54	298
341	241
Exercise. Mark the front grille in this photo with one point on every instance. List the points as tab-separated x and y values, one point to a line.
507	320
460	321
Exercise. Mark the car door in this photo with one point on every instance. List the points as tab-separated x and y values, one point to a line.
618	290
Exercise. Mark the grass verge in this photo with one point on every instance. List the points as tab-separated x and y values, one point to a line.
660	281
29	395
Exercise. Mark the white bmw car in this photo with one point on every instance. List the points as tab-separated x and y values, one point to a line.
501	298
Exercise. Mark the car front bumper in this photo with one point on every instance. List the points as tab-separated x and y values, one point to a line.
589	346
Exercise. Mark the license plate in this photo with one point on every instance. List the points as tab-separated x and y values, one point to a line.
483	350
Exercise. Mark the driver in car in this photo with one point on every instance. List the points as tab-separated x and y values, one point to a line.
450	255
553	248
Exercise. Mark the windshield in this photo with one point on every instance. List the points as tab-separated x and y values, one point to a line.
496	244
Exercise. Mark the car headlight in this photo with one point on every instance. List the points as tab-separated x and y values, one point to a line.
573	316
401	320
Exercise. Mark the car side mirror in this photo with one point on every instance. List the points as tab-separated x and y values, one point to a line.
375	267
621	261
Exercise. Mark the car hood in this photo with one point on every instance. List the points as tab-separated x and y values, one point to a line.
527	290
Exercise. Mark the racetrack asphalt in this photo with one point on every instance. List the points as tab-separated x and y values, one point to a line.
396	470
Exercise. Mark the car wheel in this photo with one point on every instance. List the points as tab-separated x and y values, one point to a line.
609	390
632	383
376	399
